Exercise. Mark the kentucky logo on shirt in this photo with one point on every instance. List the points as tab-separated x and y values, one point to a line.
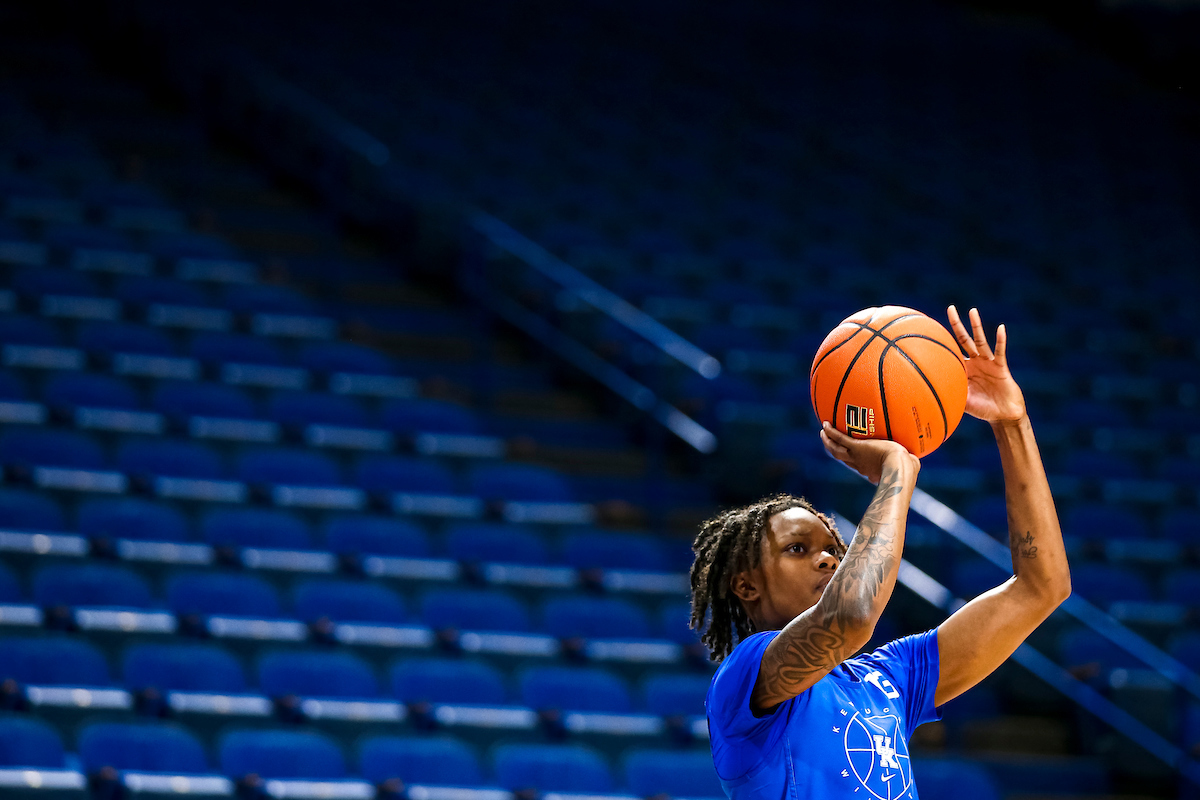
878	754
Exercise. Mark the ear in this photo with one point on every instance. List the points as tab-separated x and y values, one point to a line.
744	586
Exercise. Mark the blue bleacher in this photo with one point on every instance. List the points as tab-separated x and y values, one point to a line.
141	747
551	768
280	754
28	742
445	680
222	594
316	674
182	667
57	660
89	585
346	601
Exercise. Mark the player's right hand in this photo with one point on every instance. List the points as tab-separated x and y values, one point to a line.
867	457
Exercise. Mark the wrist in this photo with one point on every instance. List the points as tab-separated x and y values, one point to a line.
1020	423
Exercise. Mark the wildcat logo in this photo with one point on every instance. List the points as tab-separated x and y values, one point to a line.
860	420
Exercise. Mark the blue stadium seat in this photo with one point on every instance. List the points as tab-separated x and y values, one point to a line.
594	617
50	448
262	297
141	747
1092	464
386	473
165	457
52	661
551	768
347	601
185	244
316	674
602	549
72	235
10	587
315	408
971	576
428	416
344	357
131	518
573	689
144	290
674	619
12	387
29	742
35	331
255	527
90	585
473	609
1082	646
381	536
1186	648
1106	583
447	680
189	399
227	594
123	337
989	513
673	773
22	509
676	695
236	348
38	281
526	482
281	754
293	467
949	780
72	389
1104	522
183	668
1181	525
489	541
435	761
1182	586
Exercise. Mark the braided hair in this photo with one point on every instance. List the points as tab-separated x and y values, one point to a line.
727	544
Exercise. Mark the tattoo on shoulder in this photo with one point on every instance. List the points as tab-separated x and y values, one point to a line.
1024	546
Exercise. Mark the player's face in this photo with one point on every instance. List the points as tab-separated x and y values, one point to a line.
798	559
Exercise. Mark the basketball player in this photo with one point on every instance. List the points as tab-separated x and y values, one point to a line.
792	711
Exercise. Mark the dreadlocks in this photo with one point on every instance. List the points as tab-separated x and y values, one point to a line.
727	544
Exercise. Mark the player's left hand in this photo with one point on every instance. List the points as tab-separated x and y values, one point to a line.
992	394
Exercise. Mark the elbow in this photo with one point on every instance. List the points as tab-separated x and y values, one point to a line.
1055	593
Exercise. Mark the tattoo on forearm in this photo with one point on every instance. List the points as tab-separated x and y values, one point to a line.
817	642
1023	546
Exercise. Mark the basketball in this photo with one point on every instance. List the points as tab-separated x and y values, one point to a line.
891	373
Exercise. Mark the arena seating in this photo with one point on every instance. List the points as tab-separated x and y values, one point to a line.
302	527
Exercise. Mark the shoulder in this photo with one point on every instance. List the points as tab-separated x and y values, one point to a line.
897	656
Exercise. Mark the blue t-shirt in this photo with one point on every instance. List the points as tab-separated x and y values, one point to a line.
845	737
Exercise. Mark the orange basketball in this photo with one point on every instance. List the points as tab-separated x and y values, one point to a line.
891	373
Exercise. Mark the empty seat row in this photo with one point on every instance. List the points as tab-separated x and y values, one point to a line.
169	749
219	593
206	668
141	519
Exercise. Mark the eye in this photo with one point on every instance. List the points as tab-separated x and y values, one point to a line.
795	548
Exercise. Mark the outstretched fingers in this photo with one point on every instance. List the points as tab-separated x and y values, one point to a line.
981	342
1002	344
960	333
835	442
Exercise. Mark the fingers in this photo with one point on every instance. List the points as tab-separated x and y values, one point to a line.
834	446
1002	344
981	341
960	333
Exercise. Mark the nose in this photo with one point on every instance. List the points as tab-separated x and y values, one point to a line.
827	560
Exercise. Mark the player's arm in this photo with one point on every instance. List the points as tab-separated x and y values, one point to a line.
842	621
978	637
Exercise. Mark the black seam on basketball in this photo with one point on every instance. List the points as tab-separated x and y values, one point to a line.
933	391
887	421
850	367
819	361
935	341
861	327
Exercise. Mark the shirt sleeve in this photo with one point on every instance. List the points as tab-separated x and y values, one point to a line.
911	666
738	737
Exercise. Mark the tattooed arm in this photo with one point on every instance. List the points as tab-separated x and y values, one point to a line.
978	637
843	620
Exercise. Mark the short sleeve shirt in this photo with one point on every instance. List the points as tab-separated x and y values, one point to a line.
845	737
